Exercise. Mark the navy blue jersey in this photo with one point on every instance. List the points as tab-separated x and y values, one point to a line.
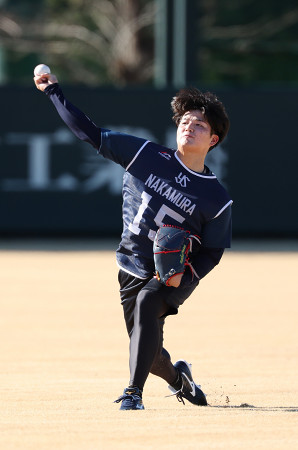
159	189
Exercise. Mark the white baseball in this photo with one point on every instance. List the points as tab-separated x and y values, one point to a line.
41	69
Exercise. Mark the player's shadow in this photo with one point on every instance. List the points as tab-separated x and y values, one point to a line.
246	406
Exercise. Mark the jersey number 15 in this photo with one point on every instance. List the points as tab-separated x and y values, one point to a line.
163	211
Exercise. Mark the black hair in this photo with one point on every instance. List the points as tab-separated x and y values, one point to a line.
189	99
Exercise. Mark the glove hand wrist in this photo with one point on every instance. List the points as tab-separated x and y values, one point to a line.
175	280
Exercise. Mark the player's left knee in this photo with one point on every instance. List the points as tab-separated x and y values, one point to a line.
144	303
150	304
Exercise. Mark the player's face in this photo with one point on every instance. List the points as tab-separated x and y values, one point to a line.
194	133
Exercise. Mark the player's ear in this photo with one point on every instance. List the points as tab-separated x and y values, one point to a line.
214	140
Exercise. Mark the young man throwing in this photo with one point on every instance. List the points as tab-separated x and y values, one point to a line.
161	186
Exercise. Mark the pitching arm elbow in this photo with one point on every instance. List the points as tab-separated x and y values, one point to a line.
206	260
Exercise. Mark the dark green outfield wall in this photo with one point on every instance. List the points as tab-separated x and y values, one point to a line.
51	183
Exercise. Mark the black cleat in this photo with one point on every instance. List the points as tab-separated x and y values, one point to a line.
189	390
131	399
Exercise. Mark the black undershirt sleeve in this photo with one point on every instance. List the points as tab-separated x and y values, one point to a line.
207	258
76	120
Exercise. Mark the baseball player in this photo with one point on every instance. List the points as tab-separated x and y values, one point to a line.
176	225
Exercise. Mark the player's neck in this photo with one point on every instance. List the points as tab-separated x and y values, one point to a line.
192	161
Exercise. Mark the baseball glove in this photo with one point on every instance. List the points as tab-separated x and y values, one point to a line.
170	250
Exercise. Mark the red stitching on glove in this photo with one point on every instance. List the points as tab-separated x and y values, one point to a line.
180	228
175	226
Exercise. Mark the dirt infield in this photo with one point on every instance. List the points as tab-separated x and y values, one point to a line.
64	355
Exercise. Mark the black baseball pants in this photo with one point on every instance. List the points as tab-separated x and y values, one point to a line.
146	303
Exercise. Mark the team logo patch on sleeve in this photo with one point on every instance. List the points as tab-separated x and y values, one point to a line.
165	155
